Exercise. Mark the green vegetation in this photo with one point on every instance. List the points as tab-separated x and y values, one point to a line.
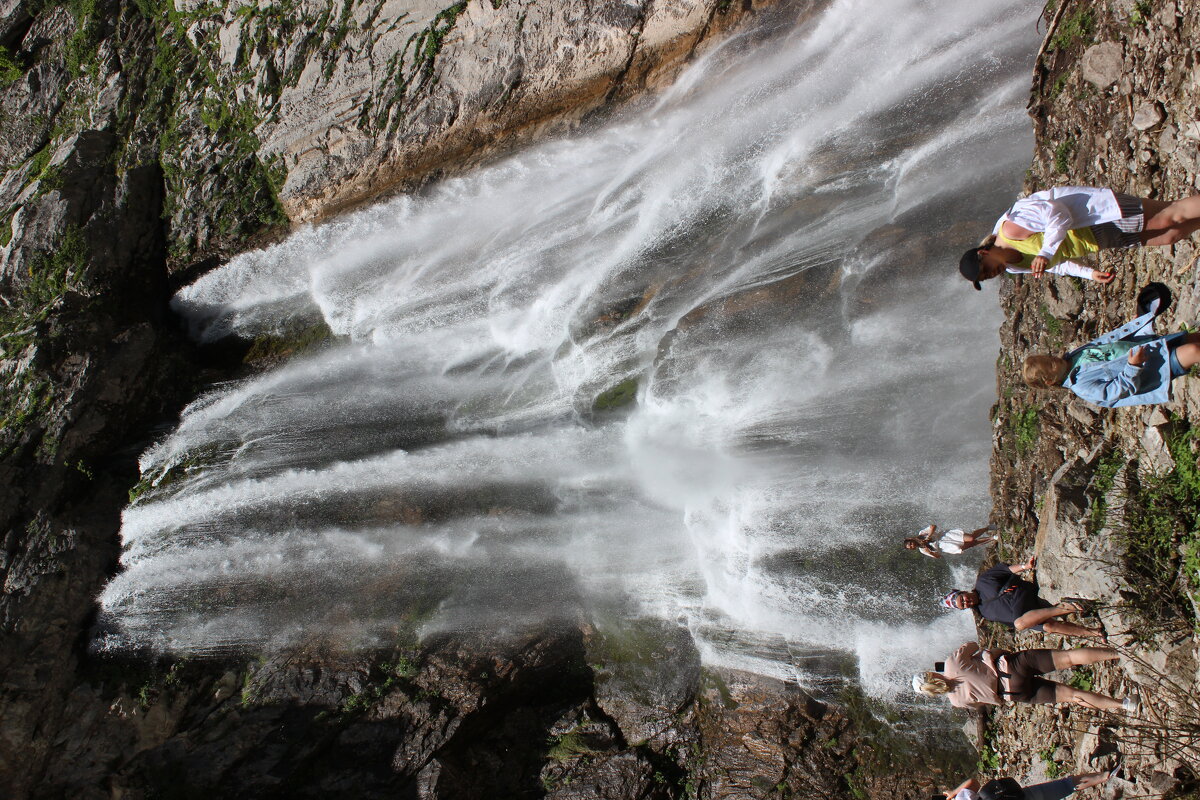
1159	533
1024	429
80	48
1102	483
1059	84
1139	15
420	52
1076	27
713	679
895	741
428	42
10	70
168	478
386	677
571	746
179	76
988	760
155	680
24	394
1082	678
1062	155
6	228
616	397
1053	768
1053	326
272	348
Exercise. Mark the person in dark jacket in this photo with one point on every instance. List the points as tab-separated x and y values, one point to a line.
1001	595
1050	790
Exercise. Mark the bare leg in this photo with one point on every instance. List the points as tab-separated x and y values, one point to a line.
1168	223
1081	657
1069	694
1188	353
1046	618
977	537
1071	629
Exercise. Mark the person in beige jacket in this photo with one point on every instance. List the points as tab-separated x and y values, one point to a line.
974	677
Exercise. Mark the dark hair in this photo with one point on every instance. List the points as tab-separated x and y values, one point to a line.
939	666
1002	789
968	266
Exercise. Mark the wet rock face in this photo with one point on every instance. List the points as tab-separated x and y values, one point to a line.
137	142
646	674
142	146
357	97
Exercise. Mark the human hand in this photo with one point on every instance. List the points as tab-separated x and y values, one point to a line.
1137	356
1039	266
1102	277
1028	565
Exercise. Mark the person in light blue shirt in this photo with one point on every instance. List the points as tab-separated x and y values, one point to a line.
1129	366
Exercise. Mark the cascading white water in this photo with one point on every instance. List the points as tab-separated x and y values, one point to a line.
768	251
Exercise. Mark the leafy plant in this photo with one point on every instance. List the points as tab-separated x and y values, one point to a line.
1139	15
1062	155
1053	768
1075	27
1025	429
1102	483
10	70
1053	325
1159	533
1082	678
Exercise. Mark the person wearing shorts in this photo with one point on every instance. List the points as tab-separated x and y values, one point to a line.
1050	790
933	543
1046	231
973	677
1000	595
1128	366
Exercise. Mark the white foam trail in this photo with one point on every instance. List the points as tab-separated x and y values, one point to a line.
763	250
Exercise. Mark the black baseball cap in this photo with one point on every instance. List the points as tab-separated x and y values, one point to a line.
968	265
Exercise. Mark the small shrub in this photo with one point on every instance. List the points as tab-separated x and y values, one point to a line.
1053	325
1160	536
1082	678
1025	429
1053	768
1102	483
10	70
1074	28
1062	155
1139	15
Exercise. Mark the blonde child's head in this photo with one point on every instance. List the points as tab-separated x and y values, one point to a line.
1045	372
930	684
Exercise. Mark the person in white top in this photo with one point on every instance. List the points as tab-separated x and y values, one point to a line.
933	544
1045	231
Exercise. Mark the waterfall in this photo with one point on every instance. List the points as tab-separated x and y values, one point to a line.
762	259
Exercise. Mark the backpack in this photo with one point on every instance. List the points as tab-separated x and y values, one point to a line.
1002	789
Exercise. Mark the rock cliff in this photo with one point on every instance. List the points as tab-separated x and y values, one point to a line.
1106	498
145	141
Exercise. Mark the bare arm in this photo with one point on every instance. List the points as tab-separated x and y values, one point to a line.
969	783
1028	565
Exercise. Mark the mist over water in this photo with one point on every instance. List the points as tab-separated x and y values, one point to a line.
766	251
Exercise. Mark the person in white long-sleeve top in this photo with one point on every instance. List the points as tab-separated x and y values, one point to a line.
1048	230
